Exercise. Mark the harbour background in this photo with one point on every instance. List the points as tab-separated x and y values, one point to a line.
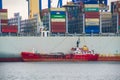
60	70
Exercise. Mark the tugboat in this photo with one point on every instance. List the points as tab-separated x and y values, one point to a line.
83	54
76	54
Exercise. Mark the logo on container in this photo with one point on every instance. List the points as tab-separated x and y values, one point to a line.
57	12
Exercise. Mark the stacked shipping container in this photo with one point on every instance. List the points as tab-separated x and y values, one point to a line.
74	18
5	28
29	26
44	12
58	20
3	17
92	15
115	9
114	21
45	20
0	4
90	1
106	20
10	29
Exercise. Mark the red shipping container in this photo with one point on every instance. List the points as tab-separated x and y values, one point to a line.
58	30
92	14
58	23
44	11
11	28
59	27
3	10
4	21
118	4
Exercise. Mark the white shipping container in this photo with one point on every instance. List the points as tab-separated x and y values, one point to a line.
92	20
58	9
58	20
3	17
92	23
4	24
106	17
91	5
106	13
2	14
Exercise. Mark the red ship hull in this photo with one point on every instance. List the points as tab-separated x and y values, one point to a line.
28	56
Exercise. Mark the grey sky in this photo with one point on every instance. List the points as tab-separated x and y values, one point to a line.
14	6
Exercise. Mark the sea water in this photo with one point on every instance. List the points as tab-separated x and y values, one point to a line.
60	70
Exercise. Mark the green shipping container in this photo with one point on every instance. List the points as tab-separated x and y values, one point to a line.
119	27
58	16
91	9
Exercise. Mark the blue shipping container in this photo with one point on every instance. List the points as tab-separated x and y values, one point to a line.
92	29
58	13
82	0
91	2
0	4
105	2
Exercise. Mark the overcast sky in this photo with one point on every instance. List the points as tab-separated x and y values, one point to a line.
21	6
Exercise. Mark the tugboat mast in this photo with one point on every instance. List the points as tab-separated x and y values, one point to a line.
78	42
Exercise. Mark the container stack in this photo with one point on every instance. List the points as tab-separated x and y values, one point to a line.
106	21
5	28
114	21
45	18
44	12
3	17
115	9
92	16
58	20
0	4
74	18
29	26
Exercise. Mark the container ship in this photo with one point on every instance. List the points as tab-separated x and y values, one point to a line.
53	30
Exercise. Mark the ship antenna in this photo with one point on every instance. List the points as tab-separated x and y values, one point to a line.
78	42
